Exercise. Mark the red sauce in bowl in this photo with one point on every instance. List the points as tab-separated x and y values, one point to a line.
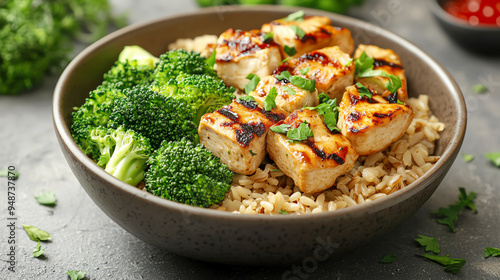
475	12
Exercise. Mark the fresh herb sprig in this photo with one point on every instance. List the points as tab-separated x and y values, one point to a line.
364	69
298	134
298	81
449	215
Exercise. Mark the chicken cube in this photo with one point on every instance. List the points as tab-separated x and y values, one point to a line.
313	164
331	69
236	133
372	124
239	53
318	33
290	97
385	60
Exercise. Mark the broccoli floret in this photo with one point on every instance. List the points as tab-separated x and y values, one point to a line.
187	173
203	93
93	113
153	115
174	62
124	153
134	67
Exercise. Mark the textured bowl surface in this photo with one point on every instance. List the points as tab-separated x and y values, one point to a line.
240	239
483	39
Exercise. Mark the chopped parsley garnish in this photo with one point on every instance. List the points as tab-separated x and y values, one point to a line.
288	90
252	153
38	250
298	16
270	100
298	31
285	60
291	51
46	198
364	69
430	243
348	62
294	134
450	264
494	158
479	88
8	173
36	234
363	63
491	252
247	98
363	91
285	75
274	170
283	212
298	81
252	84
304	71
449	215
468	157
329	110
211	59
268	37
388	258
76	275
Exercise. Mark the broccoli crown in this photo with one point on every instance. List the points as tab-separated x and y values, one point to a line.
123	153
187	173
174	62
128	74
93	113
203	93
153	115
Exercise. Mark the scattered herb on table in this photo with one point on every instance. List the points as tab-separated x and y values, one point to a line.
479	88
430	243
76	274
36	234
38	250
449	215
388	258
46	198
9	173
468	157
450	264
491	252
494	158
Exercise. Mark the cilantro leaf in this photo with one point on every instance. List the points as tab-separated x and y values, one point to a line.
288	90
285	60
303	83
298	31
491	252
494	158
252	153
38	250
247	98
285	75
46	198
252	84
468	157
363	91
298	16
364	69
394	83
283	212
268	37
270	100
282	128
304	71
363	63
430	243
290	50
329	110
8	173
479	88
323	98
450	264
36	234
388	258
348	62
76	275
211	59
449	215
301	133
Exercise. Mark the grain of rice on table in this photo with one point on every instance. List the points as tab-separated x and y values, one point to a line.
270	191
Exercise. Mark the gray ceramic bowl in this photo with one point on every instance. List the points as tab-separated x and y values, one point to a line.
222	237
482	39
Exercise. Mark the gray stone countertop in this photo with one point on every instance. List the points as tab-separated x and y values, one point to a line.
84	238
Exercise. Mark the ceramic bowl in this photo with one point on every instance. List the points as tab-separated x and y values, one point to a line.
482	39
222	237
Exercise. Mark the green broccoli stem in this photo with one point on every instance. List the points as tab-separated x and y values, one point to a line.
130	169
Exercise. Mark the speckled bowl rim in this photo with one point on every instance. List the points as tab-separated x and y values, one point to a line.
438	11
455	142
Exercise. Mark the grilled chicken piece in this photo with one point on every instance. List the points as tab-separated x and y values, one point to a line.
239	53
372	124
388	61
314	164
319	33
290	97
331	68
236	133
